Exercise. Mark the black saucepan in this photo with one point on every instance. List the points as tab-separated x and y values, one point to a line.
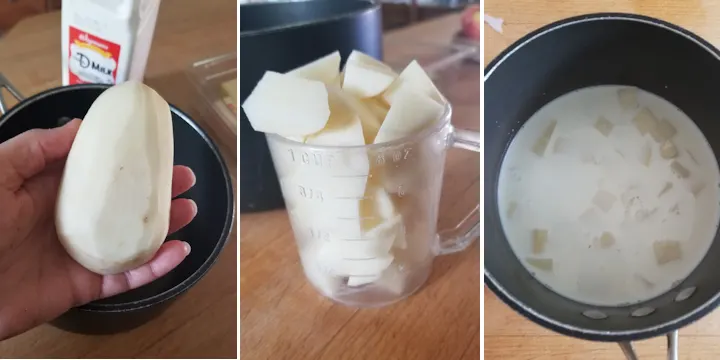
598	49
207	233
280	36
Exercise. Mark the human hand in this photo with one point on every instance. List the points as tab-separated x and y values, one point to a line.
38	279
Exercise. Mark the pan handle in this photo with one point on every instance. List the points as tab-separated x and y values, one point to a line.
672	347
4	83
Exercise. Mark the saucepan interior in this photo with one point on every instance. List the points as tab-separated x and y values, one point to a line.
600	49
207	233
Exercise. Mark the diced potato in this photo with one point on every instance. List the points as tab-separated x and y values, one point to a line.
666	188
679	170
562	145
512	207
697	188
541	264
539	240
392	279
628	98
604	126
646	155
668	150
378	107
370	123
324	69
287	105
645	121
663	131
604	200
414	76
410	113
343	128
366	81
542	143
667	251
607	240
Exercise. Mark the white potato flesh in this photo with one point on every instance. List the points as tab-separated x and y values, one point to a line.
696	188
410	113
512	208
331	258
541	264
287	105
668	150
645	121
667	187
116	219
664	130
370	122
646	155
604	126
378	107
343	128
679	170
539	241
607	240
628	98
392	280
359	58
542	142
327	283
364	81
325	69
414	76
604	200
667	251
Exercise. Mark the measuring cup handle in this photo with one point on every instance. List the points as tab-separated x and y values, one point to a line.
672	347
468	229
4	83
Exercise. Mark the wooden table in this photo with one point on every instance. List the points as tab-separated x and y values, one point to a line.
510	336
203	322
283	317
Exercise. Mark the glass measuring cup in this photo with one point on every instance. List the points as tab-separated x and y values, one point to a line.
364	217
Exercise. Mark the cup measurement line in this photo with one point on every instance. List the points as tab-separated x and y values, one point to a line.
360	259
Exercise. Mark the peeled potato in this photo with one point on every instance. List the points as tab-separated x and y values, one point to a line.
325	69
411	112
113	205
666	251
604	126
542	142
287	105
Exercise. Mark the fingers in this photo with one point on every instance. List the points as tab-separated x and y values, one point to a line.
183	179
182	211
27	154
169	256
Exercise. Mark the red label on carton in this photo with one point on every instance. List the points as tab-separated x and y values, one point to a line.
92	59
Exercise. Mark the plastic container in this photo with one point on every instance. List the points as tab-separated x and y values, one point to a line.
208	77
106	41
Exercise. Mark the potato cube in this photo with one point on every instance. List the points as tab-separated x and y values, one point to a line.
512	207
666	188
645	121
604	200
604	126
667	251
539	240
541	264
668	150
542	143
663	131
679	170
646	155
607	240
628	98
697	188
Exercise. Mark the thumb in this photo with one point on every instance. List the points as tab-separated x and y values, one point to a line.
27	154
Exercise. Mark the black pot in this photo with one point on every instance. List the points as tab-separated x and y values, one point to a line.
207	233
281	36
597	49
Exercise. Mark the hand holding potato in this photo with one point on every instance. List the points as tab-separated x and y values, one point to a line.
38	279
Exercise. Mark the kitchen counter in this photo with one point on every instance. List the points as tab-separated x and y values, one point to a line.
508	335
283	317
202	323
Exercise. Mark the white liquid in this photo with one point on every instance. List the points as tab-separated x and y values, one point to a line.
555	192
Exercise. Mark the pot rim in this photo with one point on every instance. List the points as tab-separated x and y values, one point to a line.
370	6
524	309
198	273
